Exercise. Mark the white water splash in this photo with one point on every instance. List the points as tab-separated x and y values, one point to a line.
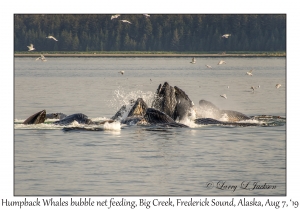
224	118
252	121
98	119
112	126
18	121
42	126
192	114
74	124
190	119
123	97
190	122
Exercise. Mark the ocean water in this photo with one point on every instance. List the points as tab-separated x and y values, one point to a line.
135	160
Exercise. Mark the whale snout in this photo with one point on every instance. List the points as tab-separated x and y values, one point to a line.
36	118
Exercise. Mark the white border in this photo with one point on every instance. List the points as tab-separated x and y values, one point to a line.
111	7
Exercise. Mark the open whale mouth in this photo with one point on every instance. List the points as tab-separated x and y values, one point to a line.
173	101
138	109
165	99
36	118
154	116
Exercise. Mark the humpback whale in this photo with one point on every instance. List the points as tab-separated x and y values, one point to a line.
170	106
79	117
165	100
142	115
59	116
119	114
36	118
184	105
172	101
209	110
136	113
41	116
175	103
209	114
152	117
157	117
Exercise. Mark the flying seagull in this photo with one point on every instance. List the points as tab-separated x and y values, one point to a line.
278	86
126	21
121	72
224	96
30	47
221	62
208	66
51	37
193	60
42	58
250	73
226	36
146	15
114	16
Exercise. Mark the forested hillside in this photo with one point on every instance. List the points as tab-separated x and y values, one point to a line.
158	32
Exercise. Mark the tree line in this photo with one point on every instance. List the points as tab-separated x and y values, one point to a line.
159	32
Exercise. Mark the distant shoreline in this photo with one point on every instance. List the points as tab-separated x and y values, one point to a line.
147	55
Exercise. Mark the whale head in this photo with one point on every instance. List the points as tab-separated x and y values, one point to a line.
138	109
36	118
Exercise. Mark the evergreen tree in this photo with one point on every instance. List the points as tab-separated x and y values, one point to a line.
181	32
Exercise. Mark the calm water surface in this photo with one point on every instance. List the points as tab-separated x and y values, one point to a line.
134	160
